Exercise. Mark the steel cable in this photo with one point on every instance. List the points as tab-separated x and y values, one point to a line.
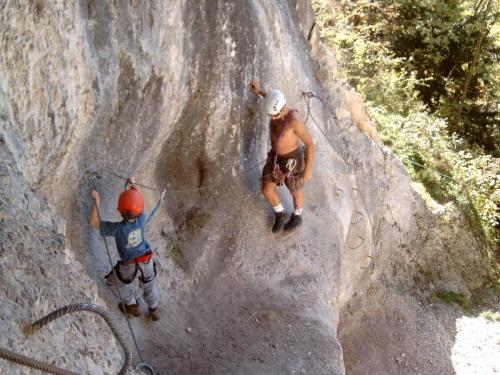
185	189
307	97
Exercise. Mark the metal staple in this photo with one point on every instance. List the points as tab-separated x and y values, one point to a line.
361	243
370	266
359	218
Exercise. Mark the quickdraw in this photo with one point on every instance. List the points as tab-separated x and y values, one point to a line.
291	164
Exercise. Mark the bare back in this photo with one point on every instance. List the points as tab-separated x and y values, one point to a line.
289	140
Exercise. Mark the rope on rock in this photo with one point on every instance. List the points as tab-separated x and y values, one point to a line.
47	367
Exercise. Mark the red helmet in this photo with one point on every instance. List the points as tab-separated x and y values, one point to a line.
130	203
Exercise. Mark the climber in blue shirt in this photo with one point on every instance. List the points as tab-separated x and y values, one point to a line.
136	256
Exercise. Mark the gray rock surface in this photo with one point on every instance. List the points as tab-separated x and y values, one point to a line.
39	273
159	90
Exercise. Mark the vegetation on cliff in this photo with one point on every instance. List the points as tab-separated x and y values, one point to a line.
428	72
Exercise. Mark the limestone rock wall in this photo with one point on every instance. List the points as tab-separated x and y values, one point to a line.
159	89
39	272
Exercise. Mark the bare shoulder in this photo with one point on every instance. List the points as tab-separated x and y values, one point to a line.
296	122
300	130
298	126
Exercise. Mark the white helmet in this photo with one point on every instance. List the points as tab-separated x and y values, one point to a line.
274	102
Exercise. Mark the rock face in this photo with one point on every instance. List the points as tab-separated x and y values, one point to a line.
159	89
39	273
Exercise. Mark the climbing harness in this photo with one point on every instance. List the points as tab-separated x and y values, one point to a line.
142	364
47	367
291	164
116	269
142	259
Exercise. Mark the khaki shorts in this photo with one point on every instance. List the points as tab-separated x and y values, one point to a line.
294	181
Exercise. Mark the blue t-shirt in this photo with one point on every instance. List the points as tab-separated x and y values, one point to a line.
129	236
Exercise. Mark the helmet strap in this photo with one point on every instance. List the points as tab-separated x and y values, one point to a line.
127	215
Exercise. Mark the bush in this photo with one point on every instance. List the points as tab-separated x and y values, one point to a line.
363	34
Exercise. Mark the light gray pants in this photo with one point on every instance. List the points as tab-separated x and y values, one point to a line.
126	274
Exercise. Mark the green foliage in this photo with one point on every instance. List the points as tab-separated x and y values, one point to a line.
495	285
399	54
449	173
444	42
420	53
452	297
491	316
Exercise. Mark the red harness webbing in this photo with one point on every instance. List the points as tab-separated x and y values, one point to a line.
142	259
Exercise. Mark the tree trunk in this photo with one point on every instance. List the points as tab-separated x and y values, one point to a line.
480	5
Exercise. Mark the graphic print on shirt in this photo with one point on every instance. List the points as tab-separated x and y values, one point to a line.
134	238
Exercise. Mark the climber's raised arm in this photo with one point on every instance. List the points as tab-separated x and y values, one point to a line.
94	217
255	87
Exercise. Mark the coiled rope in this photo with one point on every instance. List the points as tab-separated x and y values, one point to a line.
69	309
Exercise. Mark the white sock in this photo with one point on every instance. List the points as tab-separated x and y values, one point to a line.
298	211
279	208
131	301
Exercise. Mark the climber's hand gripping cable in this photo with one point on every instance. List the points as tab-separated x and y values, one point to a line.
94	217
129	182
153	213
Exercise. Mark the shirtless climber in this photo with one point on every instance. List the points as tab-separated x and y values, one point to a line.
136	256
285	162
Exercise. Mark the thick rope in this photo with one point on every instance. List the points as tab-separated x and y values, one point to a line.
108	318
33	363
